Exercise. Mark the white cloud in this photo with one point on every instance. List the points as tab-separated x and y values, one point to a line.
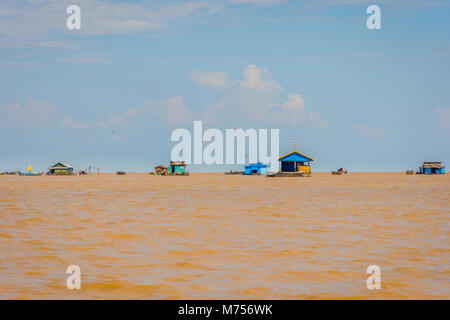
171	110
117	119
114	120
315	119
252	101
31	115
249	101
371	132
18	65
258	79
214	80
70	123
293	112
41	18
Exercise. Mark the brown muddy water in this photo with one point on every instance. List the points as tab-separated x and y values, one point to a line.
213	236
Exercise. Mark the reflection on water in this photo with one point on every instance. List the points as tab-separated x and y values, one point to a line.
216	236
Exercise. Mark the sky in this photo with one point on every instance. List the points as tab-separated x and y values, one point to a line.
111	93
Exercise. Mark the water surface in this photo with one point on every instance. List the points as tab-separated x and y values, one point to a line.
213	236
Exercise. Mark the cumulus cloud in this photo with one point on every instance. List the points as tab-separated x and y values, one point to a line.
31	115
293	112
371	132
247	101
252	100
259	79
214	80
171	110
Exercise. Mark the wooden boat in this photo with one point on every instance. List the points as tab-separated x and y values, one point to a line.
30	173
339	171
121	173
235	172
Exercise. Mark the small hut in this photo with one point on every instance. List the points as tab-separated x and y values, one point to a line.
295	162
432	168
60	168
256	168
160	170
177	168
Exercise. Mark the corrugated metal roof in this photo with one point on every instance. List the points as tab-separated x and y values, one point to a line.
291	153
258	165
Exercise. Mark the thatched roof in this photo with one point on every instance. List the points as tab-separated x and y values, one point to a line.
61	165
433	165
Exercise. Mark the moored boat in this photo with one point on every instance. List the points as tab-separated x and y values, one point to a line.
30	173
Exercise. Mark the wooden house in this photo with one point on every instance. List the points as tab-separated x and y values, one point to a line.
432	168
177	168
60	168
160	170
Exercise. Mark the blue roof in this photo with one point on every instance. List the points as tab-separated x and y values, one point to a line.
258	165
295	156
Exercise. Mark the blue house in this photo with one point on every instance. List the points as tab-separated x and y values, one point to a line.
432	168
295	162
255	168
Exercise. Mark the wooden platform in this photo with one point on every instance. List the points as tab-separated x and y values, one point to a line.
289	174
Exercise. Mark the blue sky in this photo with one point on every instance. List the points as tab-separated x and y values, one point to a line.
112	92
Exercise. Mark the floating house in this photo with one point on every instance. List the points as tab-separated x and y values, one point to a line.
295	163
432	168
256	168
177	168
160	170
60	168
